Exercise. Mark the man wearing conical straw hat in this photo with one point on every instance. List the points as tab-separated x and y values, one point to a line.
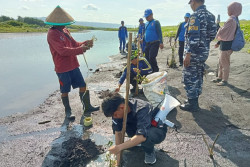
64	50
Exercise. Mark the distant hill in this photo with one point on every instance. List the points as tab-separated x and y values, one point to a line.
98	25
93	24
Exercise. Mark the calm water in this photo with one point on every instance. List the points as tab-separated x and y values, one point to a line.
27	73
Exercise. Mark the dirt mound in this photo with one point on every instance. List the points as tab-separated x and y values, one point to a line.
104	93
79	152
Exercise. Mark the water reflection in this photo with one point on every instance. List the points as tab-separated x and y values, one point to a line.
27	72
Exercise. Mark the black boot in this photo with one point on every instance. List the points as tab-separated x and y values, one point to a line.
68	113
85	99
192	105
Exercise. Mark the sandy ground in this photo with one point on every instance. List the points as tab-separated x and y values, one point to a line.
225	111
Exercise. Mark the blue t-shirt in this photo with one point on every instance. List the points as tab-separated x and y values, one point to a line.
153	31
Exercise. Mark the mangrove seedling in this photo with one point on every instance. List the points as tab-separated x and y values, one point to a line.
172	63
110	158
93	39
210	149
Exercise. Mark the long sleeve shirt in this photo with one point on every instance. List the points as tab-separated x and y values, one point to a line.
144	67
200	32
181	32
64	49
138	120
123	33
141	30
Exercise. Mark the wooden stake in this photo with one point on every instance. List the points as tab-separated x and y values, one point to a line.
127	91
137	76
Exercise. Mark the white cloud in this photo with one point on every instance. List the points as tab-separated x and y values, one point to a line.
90	7
25	8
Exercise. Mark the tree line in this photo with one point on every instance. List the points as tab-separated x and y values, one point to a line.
27	20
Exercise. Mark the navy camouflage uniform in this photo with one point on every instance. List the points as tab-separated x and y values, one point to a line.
200	32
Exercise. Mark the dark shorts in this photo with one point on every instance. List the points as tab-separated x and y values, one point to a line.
71	78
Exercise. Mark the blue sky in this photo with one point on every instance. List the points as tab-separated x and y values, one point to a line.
168	12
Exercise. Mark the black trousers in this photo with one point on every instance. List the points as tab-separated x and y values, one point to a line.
151	51
181	51
133	80
154	136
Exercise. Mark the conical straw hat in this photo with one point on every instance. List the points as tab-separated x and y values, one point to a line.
59	17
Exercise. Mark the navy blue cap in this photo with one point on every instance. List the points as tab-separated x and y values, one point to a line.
187	15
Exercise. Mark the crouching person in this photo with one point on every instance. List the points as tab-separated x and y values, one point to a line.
144	70
140	114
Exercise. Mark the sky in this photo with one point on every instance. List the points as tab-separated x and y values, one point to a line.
168	12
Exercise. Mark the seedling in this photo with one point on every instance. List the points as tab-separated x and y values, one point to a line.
172	63
110	158
93	39
210	149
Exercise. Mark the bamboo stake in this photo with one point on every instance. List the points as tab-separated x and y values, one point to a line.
137	76
127	91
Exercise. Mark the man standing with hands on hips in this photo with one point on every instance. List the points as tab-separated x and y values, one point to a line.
200	32
153	38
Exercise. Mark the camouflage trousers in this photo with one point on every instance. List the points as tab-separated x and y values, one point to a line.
193	78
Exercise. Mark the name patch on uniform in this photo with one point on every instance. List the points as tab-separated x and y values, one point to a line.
195	28
192	21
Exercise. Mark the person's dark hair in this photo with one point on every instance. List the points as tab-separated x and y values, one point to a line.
111	103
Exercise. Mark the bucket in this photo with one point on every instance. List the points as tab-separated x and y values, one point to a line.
155	87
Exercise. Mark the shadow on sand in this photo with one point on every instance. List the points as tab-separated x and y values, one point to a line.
241	92
135	157
234	143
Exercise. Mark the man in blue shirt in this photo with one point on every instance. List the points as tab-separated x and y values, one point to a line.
122	35
153	38
180	34
200	32
141	32
144	69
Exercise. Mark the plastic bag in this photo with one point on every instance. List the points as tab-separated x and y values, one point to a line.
155	87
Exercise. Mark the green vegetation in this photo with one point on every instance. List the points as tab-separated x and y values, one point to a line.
169	31
245	26
26	24
16	26
29	24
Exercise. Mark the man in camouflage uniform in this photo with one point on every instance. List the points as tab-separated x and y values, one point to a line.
200	32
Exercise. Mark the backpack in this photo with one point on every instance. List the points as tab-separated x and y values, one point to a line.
238	41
